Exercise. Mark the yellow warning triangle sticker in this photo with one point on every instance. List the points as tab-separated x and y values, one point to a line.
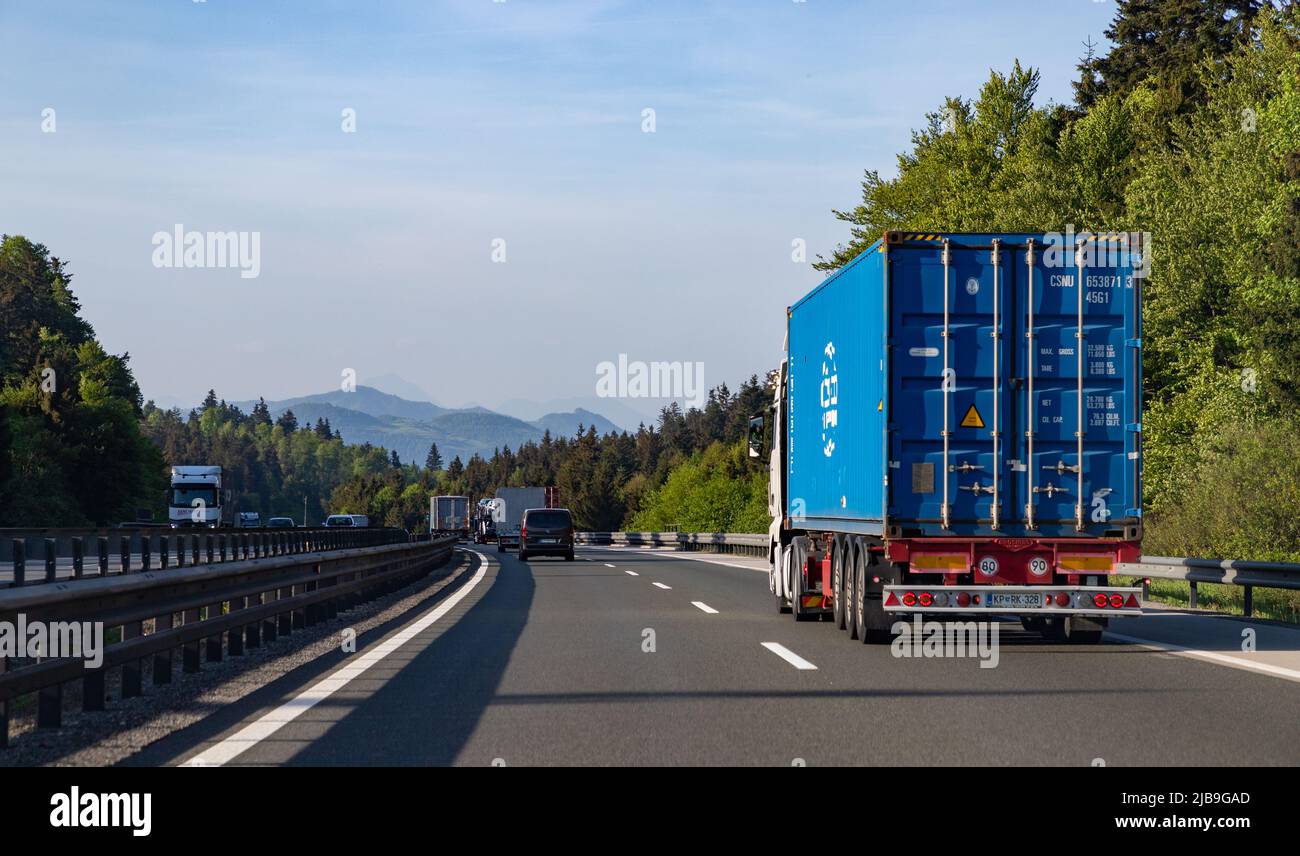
972	419
881	406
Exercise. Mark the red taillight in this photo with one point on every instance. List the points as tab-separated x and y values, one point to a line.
963	599
1062	599
523	532
1117	600
909	599
1100	600
926	598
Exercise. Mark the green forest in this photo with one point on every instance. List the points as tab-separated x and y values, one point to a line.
1187	129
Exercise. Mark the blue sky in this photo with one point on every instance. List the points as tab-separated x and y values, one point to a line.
475	121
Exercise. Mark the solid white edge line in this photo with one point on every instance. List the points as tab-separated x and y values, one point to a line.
789	656
269	723
1210	656
703	607
664	587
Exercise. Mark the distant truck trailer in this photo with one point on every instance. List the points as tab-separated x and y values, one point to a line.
449	515
509	510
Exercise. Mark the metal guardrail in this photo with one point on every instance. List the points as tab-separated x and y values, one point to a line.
223	607
46	555
714	542
1248	575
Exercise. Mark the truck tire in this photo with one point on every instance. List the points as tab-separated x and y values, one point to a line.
850	586
837	582
568	557
800	548
1075	630
875	624
779	578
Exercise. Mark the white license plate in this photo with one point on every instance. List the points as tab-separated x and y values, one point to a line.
548	540
1014	600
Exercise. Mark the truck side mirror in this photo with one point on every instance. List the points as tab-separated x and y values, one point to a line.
756	436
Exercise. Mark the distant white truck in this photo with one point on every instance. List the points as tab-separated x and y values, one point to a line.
196	497
508	511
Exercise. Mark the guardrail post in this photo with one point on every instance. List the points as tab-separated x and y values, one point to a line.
132	684
4	712
253	632
20	561
1191	594
221	547
215	643
146	552
207	543
270	625
102	545
190	650
194	549
1248	601
51	560
49	706
78	558
92	690
235	638
162	661
163	550
180	550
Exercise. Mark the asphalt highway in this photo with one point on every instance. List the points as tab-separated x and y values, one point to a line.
629	657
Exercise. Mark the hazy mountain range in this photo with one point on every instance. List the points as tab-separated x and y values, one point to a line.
369	415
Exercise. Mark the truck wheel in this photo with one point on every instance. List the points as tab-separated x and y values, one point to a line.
779	578
568	557
875	624
800	548
837	582
850	586
1033	624
1079	630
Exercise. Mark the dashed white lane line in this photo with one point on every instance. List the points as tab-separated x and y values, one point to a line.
632	573
262	728
789	656
664	587
608	565
703	607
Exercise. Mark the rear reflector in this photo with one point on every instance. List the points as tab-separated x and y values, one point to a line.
1086	563
940	562
892	600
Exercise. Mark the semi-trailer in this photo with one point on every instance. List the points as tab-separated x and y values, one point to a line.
955	430
508	511
449	515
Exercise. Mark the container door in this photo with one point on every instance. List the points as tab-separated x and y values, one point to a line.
949	313
1081	386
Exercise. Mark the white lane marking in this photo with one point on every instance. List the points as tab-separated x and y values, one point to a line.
1211	656
608	565
704	607
664	587
259	730
688	556
632	573
789	656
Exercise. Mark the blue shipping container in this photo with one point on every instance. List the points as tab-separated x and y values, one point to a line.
966	385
